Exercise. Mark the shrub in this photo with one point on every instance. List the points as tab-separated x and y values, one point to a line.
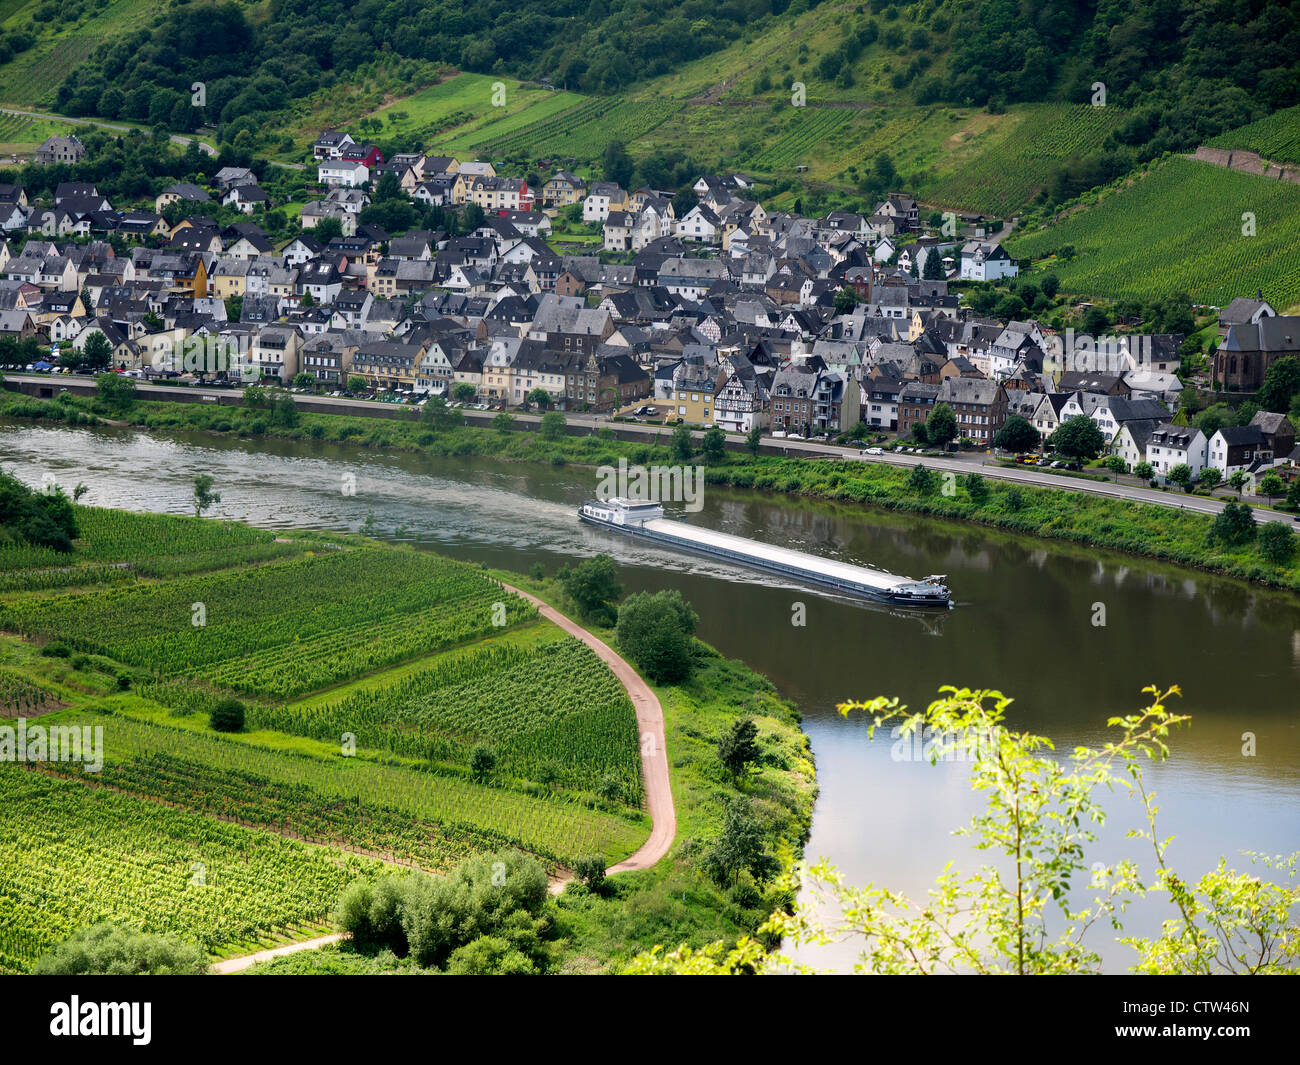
655	631
56	650
228	715
110	950
590	869
482	762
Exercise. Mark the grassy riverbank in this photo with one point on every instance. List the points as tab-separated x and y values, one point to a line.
1138	528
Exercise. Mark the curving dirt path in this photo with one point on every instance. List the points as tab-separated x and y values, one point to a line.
654	748
235	965
654	770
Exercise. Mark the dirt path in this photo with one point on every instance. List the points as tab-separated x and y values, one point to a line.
654	768
235	965
654	749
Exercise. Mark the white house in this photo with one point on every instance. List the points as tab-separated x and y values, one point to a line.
700	223
986	261
601	196
1238	447
340	172
1172	445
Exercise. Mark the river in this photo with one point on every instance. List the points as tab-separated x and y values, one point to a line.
1025	623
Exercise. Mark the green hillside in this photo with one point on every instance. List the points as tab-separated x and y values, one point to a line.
1178	228
979	104
1276	137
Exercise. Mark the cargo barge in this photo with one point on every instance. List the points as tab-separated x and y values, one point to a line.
646	521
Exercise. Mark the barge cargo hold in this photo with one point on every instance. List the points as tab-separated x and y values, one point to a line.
647	521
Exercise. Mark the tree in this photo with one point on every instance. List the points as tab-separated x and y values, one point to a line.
1293	494
1144	471
1281	384
97	352
1050	285
327	229
977	488
754	439
438	414
307	301
464	392
1233	526
304	380
356	384
921	480
1038	818
617	165
1017	435
656	632
1271	485
845	300
482	762
681	445
228	715
714	444
115	392
1078	438
1115	464
503	422
738	747
538	397
1181	475
1277	543
590	869
941	426
1209	478
933	269
740	847
1238	480
594	587
204	496
552	425
110	950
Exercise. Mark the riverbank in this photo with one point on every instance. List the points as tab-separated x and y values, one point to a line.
1142	529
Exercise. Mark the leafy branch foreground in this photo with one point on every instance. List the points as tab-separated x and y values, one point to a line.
1019	917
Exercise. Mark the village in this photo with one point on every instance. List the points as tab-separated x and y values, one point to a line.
849	327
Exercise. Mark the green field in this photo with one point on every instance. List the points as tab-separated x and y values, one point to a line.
1178	229
406	661
75	855
1276	137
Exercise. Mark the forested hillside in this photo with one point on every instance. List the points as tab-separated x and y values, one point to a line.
1185	69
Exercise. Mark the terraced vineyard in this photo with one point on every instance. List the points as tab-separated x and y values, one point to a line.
1128	247
553	713
1276	137
1020	157
74	855
228	840
428	819
804	138
282	628
584	132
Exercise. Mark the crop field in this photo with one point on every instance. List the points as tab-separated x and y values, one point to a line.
998	171
583	132
1276	137
427	819
1128	247
502	125
419	658
75	855
553	713
805	138
462	110
20	697
284	628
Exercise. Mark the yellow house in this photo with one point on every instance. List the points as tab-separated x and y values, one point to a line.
229	278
